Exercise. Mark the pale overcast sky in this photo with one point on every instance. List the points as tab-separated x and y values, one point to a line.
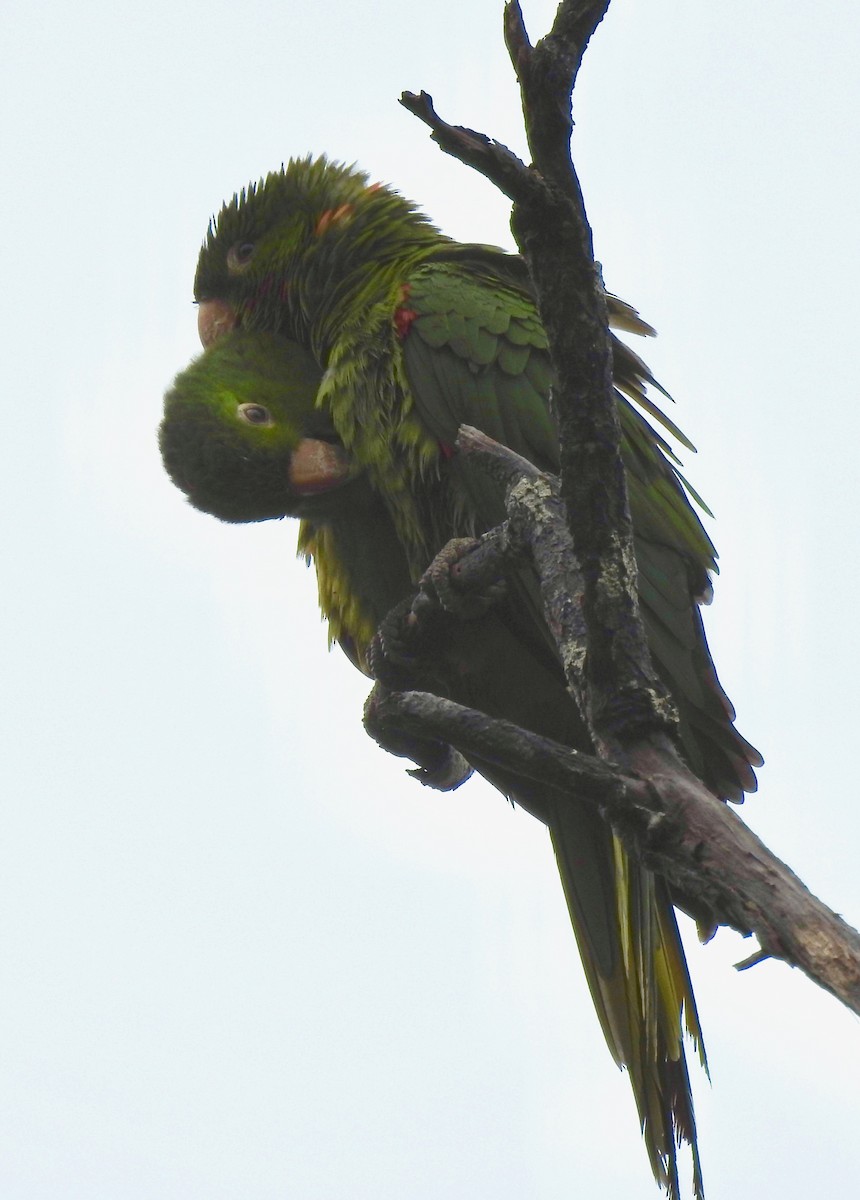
245	957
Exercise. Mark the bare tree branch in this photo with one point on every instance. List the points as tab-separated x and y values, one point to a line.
698	844
675	826
503	744
616	687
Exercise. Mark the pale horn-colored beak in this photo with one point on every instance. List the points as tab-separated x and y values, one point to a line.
214	318
317	467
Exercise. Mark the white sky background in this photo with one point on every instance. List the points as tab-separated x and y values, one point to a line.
244	956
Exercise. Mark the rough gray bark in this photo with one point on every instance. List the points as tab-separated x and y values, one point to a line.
664	813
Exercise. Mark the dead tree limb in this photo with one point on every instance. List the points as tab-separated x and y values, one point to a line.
590	589
713	861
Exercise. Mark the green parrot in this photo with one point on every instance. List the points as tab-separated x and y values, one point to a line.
243	437
346	340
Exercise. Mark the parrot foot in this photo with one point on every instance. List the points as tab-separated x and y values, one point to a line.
437	583
407	650
446	775
438	765
398	651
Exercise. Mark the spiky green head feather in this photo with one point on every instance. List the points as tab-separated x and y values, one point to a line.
233	423
304	249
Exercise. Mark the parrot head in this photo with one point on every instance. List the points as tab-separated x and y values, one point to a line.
243	438
299	244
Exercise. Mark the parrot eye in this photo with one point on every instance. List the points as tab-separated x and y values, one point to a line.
255	414
239	256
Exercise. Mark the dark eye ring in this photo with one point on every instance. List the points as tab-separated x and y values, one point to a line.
239	256
255	414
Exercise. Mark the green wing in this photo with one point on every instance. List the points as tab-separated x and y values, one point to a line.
475	352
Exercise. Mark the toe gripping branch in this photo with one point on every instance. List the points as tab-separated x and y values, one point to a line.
407	654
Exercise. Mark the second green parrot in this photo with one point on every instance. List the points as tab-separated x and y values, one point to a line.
347	341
